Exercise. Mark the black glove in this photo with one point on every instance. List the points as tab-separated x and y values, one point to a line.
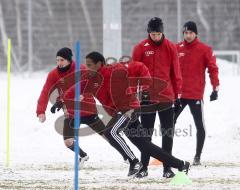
145	97
214	95
177	104
58	105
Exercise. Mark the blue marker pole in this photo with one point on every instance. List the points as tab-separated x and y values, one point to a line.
76	112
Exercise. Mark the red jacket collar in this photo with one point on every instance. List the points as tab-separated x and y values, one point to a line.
193	43
101	69
150	41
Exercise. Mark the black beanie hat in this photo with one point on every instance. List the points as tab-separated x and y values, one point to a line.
190	25
65	53
155	25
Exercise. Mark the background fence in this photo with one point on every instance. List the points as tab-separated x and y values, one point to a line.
58	23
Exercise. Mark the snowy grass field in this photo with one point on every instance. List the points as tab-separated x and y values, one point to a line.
39	159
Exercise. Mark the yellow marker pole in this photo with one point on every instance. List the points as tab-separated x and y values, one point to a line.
8	102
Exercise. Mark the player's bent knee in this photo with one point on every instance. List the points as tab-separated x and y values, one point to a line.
69	142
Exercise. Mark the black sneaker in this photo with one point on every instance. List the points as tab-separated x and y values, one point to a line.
196	161
142	173
185	167
168	173
82	160
134	168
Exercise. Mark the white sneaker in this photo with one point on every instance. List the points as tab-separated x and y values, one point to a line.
82	160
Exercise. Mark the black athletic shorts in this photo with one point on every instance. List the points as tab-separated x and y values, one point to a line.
93	121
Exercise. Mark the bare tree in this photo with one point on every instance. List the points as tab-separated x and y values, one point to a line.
89	24
203	20
19	30
4	39
69	22
49	8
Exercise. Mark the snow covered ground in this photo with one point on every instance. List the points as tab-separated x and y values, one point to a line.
39	159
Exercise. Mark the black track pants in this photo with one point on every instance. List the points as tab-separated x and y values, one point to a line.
196	108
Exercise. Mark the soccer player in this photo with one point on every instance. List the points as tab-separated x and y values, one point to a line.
55	80
160	56
195	58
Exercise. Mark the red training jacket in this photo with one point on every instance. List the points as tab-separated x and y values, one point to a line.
61	81
194	59
162	62
115	86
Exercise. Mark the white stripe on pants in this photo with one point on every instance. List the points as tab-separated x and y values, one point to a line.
118	139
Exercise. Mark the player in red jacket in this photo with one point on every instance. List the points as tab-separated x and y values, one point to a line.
114	88
195	57
60	79
160	56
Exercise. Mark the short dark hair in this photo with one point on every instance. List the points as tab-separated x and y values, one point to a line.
95	57
190	25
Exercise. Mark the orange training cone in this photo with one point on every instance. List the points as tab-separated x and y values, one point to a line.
155	162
